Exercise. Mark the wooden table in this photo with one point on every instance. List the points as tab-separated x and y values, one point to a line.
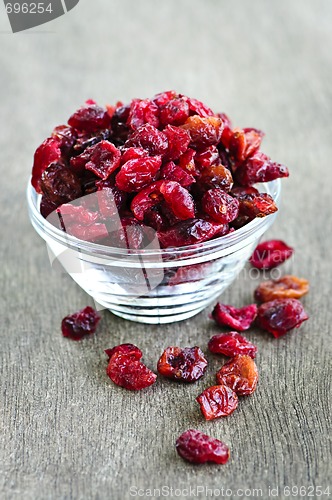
66	431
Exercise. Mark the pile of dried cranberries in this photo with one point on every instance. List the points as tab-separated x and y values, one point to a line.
169	163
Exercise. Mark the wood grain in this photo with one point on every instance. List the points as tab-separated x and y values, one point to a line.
66	431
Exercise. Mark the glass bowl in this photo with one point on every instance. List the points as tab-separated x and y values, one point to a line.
153	285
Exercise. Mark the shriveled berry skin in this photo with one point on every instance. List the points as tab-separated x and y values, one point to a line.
239	318
270	254
60	184
286	287
179	199
129	373
244	143
204	131
190	232
259	168
174	112
137	174
216	176
149	138
127	349
184	365
198	448
90	118
217	401
77	325
240	374
178	142
230	344
281	315
102	159
256	205
220	206
171	172
143	111
48	152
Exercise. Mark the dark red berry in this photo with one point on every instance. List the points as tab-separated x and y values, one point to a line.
128	349
171	172
184	365
234	317
256	205
240	374
126	371
77	325
259	168
149	138
217	401
190	232
270	254
102	159
178	142
137	174
204	131
230	344
178	199
281	315
90	118
60	184
142	112
220	206
47	153
174	112
198	448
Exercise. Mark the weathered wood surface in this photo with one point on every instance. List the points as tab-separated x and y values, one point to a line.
66	431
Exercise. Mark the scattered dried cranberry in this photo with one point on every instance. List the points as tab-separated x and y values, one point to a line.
234	317
230	344
79	324
281	315
198	448
270	254
287	287
126	371
90	118
190	232
220	206
217	401
240	374
128	349
184	365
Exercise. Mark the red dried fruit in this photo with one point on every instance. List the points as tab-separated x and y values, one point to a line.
244	143
110	201
230	344
178	142
73	214
128	349
119	126
47	207
270	254
259	168
94	233
239	191
256	205
281	315
186	161
216	176
287	287
234	317
66	136
198	108
207	157
133	154
171	172
227	130
102	159
142	112
174	112
146	199
126	371
184	365
48	152
178	199
198	448
90	118
190	232
204	131
217	401
150	138
164	97
86	140
77	325
220	206
240	374
137	174
60	184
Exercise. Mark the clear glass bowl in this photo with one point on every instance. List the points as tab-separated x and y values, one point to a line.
154	286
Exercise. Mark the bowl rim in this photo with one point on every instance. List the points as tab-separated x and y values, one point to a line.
228	240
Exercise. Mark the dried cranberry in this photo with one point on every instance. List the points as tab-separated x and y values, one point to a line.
190	232
89	118
128	349
227	130
48	152
47	207
171	172
216	176
178	199
150	138
79	324
126	371
238	318
186	161
230	344
244	143
72	214
60	184
102	159
240	374
239	191
142	112
178	142
281	315
174	112
119	126
287	287
66	137
204	131
146	199
198	108
207	157
198	448
164	97
270	254
137	174
184	365
86	140
259	168
256	205
220	206
94	233
217	401
133	154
